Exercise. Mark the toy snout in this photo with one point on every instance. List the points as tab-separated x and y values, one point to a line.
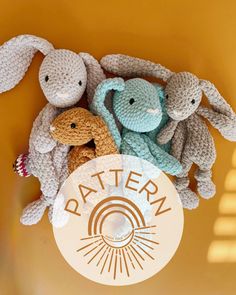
154	111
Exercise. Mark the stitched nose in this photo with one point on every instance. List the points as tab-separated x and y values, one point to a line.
62	94
153	111
176	113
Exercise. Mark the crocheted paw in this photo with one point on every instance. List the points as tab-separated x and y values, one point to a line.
43	142
188	198
21	165
33	213
56	213
206	189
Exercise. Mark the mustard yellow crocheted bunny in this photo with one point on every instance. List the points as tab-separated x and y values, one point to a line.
80	128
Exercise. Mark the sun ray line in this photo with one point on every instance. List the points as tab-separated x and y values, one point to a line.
87	238
129	258
137	252
102	255
136	259
145	239
143	244
97	253
112	254
146	233
142	227
105	260
115	266
144	251
126	265
84	247
120	261
93	249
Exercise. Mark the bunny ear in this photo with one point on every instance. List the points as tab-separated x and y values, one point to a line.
16	56
221	116
104	144
127	66
98	105
95	74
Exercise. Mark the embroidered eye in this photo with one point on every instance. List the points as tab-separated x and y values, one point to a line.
80	83
131	101
72	125
46	78
167	96
193	101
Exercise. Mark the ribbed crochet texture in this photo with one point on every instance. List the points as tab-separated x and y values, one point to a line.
191	140
77	127
64	76
137	106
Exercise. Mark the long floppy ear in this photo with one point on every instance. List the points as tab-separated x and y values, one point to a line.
16	56
221	116
127	66
98	106
95	74
104	143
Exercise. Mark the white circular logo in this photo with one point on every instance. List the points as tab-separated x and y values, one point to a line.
121	220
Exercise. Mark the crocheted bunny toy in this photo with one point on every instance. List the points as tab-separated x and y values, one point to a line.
137	106
191	139
64	75
77	127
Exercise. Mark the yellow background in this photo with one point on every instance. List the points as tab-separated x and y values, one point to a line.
197	36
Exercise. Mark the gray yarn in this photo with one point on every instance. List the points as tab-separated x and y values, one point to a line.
191	139
68	75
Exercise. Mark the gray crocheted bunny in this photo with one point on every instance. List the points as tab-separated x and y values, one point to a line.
191	139
64	75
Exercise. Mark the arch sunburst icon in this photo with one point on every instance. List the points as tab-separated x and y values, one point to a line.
111	248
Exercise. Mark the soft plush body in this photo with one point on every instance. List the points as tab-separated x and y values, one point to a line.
139	107
64	75
191	139
77	127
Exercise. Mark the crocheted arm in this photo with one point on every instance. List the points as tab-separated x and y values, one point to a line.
95	74
164	161
178	141
127	66
41	138
144	148
166	134
98	107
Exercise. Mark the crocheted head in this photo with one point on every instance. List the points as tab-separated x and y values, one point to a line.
77	127
63	75
137	106
192	141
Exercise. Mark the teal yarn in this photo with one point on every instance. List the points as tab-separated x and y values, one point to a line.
134	108
139	106
98	105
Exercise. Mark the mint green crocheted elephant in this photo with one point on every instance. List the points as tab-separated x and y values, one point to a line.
139	106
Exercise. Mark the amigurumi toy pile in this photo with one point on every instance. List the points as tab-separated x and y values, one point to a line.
64	75
191	139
